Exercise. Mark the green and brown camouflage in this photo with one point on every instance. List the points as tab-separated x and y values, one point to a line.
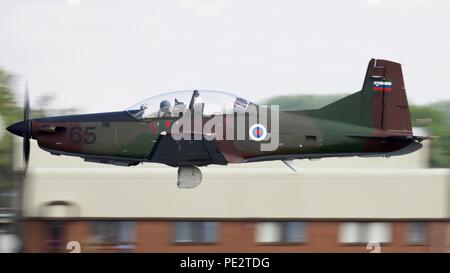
372	122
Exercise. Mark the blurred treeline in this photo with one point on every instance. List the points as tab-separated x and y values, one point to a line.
9	112
434	117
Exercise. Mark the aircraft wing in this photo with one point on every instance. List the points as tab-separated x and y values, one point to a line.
186	152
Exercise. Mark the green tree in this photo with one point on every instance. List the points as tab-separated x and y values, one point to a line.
302	102
437	121
9	113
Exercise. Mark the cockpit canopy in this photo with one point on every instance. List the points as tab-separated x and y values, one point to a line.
173	104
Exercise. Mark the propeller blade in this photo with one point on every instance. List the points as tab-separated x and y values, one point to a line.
26	151
26	108
26	128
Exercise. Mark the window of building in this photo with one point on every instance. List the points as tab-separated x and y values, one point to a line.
195	232
280	232
5	228
113	232
56	230
416	233
448	237
360	232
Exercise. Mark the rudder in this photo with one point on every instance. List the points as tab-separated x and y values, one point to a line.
381	104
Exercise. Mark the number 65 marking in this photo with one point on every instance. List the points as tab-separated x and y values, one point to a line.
77	135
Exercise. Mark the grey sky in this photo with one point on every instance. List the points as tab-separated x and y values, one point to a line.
105	55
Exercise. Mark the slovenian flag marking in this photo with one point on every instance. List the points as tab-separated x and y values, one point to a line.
382	86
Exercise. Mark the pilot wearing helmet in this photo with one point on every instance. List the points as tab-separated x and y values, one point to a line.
164	109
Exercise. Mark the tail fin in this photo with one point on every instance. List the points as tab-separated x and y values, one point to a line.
381	104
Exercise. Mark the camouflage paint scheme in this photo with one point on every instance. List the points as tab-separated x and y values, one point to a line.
367	123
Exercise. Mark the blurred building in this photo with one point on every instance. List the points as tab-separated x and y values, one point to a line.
330	205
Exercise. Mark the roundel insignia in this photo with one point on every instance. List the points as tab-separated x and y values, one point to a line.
257	132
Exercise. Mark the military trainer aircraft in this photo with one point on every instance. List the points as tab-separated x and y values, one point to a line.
372	122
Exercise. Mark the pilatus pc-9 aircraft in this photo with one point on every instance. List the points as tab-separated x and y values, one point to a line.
372	122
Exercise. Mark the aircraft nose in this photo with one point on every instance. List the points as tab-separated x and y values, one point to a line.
16	128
